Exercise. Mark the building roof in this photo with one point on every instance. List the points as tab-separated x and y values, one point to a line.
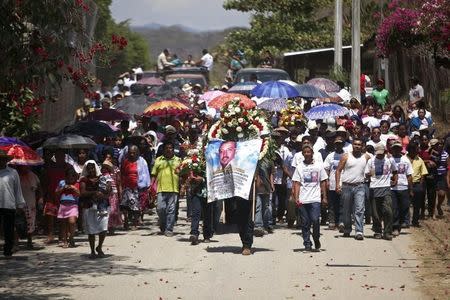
314	51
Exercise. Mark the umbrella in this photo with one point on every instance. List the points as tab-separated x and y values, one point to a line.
243	87
220	101
325	111
134	105
22	155
151	81
274	104
310	91
165	92
166	108
6	141
69	141
325	85
91	128
109	114
209	95
275	89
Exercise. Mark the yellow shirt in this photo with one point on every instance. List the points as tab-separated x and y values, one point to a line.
164	170
419	169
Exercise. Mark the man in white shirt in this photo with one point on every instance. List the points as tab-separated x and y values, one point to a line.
400	193
382	171
298	157
309	191
11	199
207	62
162	62
416	92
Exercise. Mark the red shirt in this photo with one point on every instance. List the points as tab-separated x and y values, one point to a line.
129	174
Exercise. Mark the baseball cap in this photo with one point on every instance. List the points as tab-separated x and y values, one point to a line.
380	149
396	144
170	129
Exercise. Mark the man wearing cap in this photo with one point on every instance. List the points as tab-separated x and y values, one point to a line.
330	164
169	136
352	189
403	190
11	199
382	172
309	191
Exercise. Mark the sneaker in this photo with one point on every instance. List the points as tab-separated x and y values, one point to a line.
317	244
388	237
269	230
331	226
377	236
258	232
359	236
341	228
395	233
206	241
246	251
193	239
168	233
308	248
346	234
404	226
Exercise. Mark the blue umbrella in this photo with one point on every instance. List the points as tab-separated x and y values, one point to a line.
275	89
325	111
310	91
8	141
274	104
243	87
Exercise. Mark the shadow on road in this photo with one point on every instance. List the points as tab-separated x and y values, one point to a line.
233	249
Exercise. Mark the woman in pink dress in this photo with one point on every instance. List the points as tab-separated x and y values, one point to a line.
115	216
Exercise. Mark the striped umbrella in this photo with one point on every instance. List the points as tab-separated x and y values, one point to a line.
243	87
220	101
274	104
209	95
326	111
275	89
22	155
166	108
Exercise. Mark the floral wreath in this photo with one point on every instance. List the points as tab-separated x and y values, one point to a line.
237	124
291	114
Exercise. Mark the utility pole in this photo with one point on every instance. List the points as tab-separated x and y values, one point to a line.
338	33
356	50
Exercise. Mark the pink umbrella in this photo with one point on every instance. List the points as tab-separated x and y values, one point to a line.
326	85
151	81
209	95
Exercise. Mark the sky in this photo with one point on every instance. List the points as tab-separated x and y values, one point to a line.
197	14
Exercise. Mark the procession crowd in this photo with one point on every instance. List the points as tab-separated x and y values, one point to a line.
367	167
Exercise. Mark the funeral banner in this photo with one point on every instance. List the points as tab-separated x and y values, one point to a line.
230	167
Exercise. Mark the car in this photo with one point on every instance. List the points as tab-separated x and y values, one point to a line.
147	74
184	70
263	74
180	79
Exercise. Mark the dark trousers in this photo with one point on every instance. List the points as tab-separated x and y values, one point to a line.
310	214
400	208
201	208
8	218
382	212
244	221
430	183
279	201
418	201
334	208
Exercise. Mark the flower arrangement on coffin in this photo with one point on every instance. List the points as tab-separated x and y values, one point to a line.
291	115
239	124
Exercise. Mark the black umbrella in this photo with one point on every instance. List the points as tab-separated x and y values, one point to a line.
165	92
134	105
69	141
91	128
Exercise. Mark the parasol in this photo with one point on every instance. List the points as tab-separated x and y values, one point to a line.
275	89
220	101
22	155
166	108
325	111
69	141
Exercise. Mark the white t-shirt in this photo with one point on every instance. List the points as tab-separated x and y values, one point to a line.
330	165
299	158
415	93
404	169
380	171
310	177
207	61
374	145
348	147
388	136
286	156
371	122
319	144
415	114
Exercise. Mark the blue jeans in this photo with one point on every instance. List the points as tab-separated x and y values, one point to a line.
199	208
310	214
400	207
263	213
166	210
334	208
353	197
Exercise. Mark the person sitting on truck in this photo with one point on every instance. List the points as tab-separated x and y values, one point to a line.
163	64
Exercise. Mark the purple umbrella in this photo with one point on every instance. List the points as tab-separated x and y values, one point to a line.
274	104
326	85
8	141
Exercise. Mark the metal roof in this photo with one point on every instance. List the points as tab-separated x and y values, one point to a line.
314	51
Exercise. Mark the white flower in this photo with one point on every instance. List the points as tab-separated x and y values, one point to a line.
195	165
230	107
227	115
241	120
224	131
237	109
240	135
239	129
229	124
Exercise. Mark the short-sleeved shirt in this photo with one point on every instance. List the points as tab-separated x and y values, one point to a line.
309	176
330	164
404	169
380	171
68	197
419	169
207	61
416	92
381	96
164	170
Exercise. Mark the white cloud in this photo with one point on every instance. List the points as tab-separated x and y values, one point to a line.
198	14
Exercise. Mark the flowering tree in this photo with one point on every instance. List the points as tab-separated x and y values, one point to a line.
421	24
43	43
